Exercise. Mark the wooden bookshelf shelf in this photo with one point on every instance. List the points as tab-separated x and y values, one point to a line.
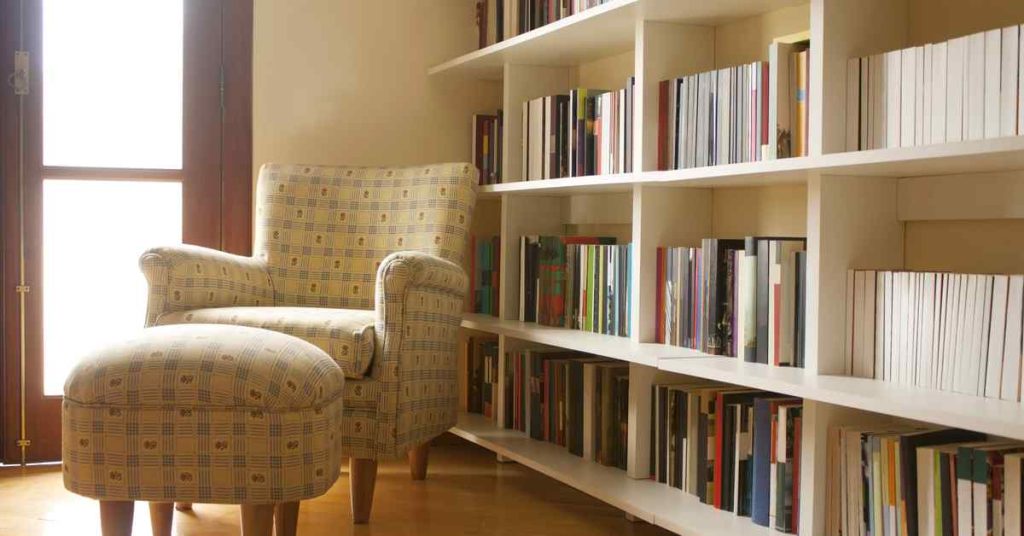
609	346
982	156
998	417
647	500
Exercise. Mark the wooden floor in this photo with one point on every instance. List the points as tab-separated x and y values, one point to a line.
466	492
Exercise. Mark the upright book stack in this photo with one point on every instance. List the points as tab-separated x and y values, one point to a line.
920	479
578	401
484	274
587	132
487	149
946	331
734	448
577	282
716	117
480	375
498	20
965	88
739	298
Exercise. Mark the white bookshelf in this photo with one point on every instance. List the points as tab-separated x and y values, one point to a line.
954	206
646	500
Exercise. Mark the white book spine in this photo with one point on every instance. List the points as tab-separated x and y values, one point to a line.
853	319
925	491
919	95
893	108
908	92
1008	90
955	61
878	101
974	106
938	89
1020	81
993	78
1012	340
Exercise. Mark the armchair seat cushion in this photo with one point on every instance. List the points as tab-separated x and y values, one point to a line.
347	335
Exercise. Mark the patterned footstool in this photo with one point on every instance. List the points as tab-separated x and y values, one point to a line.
205	414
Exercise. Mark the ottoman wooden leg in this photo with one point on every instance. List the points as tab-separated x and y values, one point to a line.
116	517
161	517
418	461
362	476
286	518
257	520
183	507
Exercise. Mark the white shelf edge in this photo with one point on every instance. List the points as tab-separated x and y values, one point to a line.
978	156
610	346
495	52
649	501
997	417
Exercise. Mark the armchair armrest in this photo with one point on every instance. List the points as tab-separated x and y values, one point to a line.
191	277
419	311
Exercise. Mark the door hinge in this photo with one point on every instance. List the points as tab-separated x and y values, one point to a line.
23	443
19	78
22	289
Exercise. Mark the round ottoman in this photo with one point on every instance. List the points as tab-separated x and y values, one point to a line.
205	414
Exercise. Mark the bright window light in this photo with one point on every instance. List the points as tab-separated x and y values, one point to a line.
93	290
112	83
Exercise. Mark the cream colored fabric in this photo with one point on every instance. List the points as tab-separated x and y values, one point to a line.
388	240
345	334
323	231
203	413
189	277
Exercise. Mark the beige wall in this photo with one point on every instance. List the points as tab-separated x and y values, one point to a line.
345	82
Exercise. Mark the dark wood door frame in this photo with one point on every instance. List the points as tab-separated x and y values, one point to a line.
216	177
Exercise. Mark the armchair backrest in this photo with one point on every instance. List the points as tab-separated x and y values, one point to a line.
323	231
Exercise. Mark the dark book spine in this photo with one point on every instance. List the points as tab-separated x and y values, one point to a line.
761	477
801	311
762	301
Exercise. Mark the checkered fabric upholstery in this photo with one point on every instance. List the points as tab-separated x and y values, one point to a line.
345	334
204	413
353	240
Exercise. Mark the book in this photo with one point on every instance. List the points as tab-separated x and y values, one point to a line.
965	88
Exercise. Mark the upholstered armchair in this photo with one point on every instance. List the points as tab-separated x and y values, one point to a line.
365	263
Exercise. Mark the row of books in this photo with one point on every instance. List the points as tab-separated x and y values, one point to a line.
587	132
946	331
487	148
734	448
480	375
577	282
570	399
746	113
735	297
498	20
484	274
908	479
966	88
716	117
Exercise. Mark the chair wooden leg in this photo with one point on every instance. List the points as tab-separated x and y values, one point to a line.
257	520
362	476
418	461
116	517
161	517
286	518
183	507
